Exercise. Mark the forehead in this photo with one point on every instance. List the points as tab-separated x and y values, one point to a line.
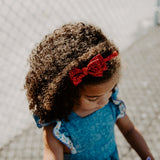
99	89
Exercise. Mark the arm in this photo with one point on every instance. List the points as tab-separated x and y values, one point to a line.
134	137
53	149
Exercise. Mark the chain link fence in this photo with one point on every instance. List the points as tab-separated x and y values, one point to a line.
23	23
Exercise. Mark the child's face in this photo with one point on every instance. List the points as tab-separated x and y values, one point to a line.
94	97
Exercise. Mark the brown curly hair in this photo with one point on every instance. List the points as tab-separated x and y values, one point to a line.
50	92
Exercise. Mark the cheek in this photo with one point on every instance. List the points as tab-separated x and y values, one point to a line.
104	100
86	104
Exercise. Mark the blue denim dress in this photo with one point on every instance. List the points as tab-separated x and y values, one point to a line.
91	137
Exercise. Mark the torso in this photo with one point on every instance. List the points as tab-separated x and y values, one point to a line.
92	131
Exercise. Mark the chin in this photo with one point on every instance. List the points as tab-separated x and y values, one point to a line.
100	107
106	103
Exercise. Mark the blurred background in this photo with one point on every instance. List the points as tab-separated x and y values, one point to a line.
134	27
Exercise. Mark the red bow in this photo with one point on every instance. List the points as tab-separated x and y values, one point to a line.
96	67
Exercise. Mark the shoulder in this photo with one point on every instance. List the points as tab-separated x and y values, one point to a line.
55	132
53	148
48	135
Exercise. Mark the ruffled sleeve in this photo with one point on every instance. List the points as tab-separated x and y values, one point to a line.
119	108
62	135
41	124
59	131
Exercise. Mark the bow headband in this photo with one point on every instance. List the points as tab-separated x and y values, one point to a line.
96	67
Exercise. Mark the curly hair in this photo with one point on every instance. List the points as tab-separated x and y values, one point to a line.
50	92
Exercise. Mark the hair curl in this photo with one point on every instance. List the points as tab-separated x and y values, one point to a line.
50	92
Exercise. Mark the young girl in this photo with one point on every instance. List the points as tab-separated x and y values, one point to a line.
72	91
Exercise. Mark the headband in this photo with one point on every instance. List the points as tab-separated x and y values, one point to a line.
96	67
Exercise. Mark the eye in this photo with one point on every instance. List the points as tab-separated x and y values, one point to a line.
92	100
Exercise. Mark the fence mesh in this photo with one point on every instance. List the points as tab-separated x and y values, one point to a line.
23	23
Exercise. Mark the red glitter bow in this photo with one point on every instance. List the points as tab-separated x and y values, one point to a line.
96	67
